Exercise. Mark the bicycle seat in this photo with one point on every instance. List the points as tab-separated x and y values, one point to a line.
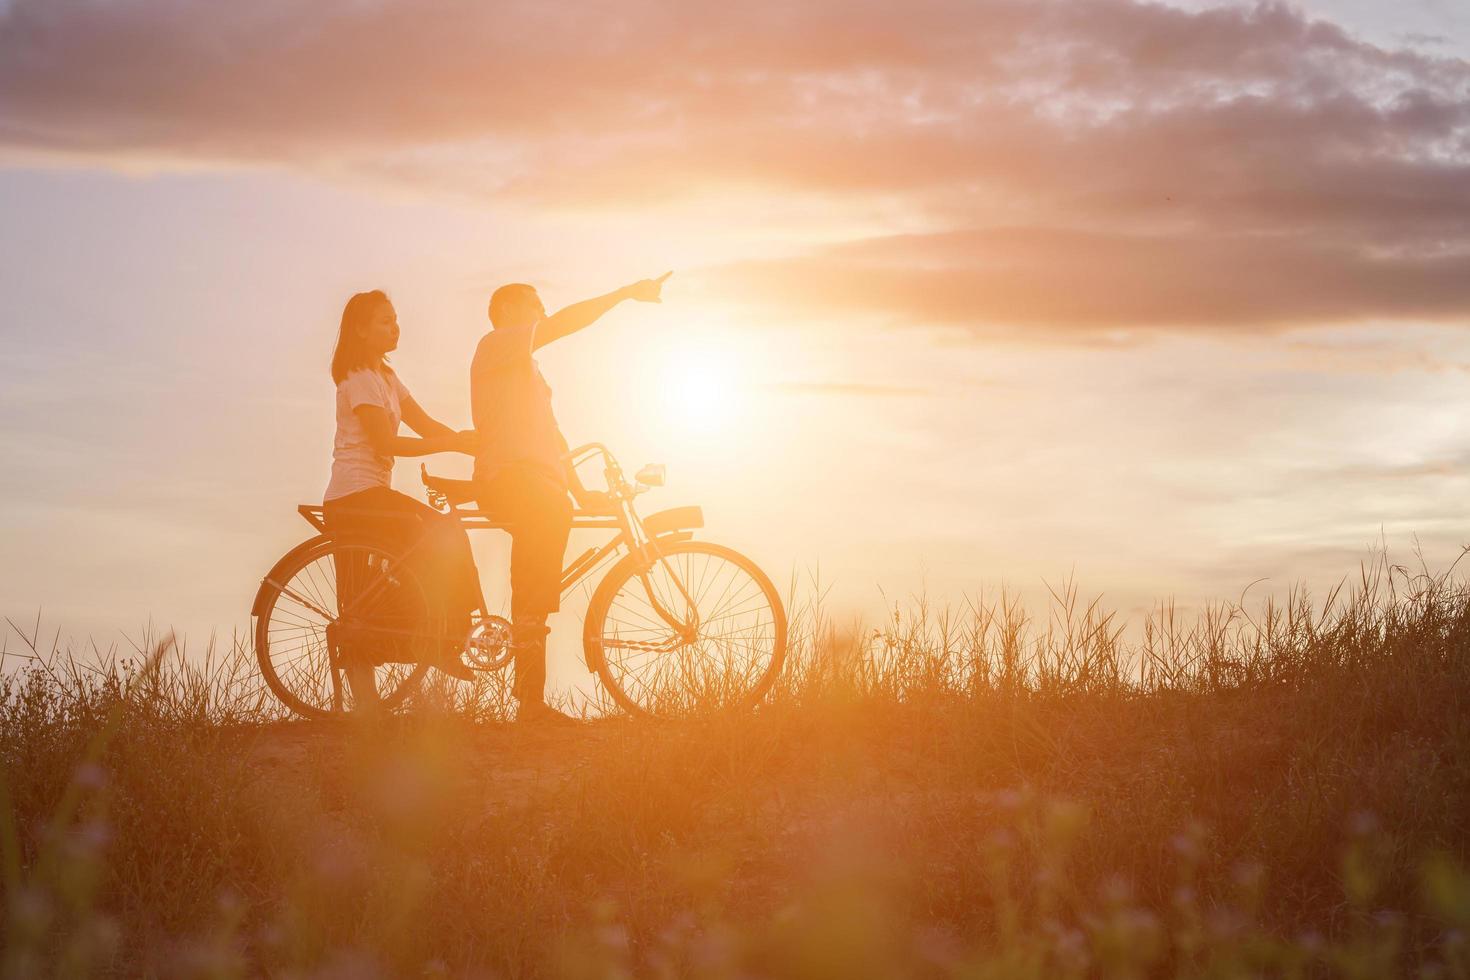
454	492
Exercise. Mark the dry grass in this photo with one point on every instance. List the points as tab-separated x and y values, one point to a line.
970	793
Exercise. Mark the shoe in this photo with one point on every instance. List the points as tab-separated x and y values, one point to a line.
541	713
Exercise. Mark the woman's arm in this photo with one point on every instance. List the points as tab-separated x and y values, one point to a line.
420	421
598	502
386	442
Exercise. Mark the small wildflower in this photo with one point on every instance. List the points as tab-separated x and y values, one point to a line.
91	837
106	933
1249	875
1362	823
229	903
89	775
1070	947
1116	890
1009	799
30	911
1065	820
613	936
1387	918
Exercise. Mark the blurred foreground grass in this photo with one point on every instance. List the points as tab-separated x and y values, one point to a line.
967	794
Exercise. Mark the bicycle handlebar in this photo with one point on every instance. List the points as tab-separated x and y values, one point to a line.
612	472
574	455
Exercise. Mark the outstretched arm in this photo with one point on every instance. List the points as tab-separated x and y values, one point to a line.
578	315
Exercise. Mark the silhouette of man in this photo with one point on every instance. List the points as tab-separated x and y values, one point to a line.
519	471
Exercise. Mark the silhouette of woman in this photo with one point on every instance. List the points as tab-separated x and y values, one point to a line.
361	505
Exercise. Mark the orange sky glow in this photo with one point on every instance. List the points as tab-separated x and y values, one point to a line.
1168	298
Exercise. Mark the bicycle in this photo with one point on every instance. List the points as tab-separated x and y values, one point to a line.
674	624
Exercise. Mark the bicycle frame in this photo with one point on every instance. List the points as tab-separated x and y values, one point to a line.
641	537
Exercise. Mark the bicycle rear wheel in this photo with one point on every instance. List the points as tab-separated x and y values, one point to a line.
698	629
342	627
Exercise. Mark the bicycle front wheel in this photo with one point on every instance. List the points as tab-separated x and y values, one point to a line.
699	628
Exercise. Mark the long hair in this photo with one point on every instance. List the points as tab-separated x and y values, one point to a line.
350	352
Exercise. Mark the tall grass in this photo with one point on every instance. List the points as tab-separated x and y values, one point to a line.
952	792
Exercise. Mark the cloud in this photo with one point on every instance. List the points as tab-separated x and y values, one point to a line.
1449	466
1068	164
1096	280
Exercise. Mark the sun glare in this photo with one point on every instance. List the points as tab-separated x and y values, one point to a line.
700	389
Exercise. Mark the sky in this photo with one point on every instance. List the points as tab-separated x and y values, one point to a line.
1165	299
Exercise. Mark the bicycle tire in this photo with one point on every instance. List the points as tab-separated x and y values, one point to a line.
308	621
701	690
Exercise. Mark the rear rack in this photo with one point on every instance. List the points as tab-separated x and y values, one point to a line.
472	519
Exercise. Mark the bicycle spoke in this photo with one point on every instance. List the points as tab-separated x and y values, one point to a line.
653	622
706	586
303	602
720	601
315	587
730	653
387	626
750	606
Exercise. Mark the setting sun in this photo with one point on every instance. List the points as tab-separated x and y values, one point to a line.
700	388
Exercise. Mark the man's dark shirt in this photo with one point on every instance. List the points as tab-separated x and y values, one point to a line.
511	405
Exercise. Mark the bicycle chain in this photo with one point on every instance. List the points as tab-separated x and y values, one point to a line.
667	646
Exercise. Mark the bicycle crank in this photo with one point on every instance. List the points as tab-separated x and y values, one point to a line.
488	645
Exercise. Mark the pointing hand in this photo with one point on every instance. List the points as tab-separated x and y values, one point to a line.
649	290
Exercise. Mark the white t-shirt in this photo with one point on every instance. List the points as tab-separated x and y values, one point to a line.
355	465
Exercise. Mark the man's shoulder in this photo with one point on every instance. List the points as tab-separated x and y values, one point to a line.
489	352
481	346
500	346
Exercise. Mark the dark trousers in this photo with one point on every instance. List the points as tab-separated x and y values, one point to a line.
437	547
539	517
